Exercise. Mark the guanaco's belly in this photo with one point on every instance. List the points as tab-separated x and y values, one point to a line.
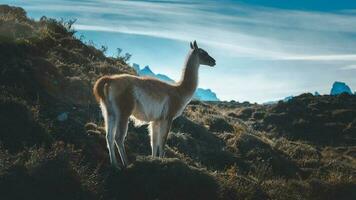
148	108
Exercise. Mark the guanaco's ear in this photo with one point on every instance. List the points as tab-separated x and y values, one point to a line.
191	45
195	45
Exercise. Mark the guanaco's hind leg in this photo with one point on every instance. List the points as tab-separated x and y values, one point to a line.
120	136
124	108
110	126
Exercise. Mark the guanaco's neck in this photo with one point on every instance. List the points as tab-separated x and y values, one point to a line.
189	80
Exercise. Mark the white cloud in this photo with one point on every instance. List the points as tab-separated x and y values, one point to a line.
349	67
274	52
339	57
241	31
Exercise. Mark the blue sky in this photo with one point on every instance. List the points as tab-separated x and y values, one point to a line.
265	50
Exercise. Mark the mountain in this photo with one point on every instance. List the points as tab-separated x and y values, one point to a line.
165	78
136	67
205	95
337	88
340	87
200	94
146	71
285	99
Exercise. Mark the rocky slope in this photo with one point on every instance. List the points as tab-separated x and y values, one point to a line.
318	119
53	145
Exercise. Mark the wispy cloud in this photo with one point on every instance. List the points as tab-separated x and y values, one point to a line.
349	67
263	53
236	29
336	57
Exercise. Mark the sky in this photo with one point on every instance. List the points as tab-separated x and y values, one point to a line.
265	49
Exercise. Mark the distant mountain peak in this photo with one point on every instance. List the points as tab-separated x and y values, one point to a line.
340	87
200	94
136	67
146	71
147	68
205	95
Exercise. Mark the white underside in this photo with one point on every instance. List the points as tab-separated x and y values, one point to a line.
105	114
148	108
180	111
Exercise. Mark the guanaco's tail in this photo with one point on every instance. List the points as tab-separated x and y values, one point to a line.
100	88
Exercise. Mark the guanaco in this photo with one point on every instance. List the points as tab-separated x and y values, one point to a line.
149	100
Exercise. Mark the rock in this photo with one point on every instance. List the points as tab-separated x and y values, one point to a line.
91	126
93	132
339	88
62	117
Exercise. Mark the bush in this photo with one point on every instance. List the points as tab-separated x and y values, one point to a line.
42	174
198	143
19	125
161	179
258	154
245	113
218	124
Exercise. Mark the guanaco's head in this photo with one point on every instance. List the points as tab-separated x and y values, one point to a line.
203	56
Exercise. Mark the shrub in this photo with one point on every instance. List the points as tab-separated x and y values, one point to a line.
218	124
19	125
42	174
245	113
161	179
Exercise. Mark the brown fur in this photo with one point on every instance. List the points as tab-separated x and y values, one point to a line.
98	89
123	87
128	95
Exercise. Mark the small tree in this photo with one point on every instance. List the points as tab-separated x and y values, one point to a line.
123	58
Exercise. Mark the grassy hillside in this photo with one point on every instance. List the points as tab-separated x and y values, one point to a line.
53	146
